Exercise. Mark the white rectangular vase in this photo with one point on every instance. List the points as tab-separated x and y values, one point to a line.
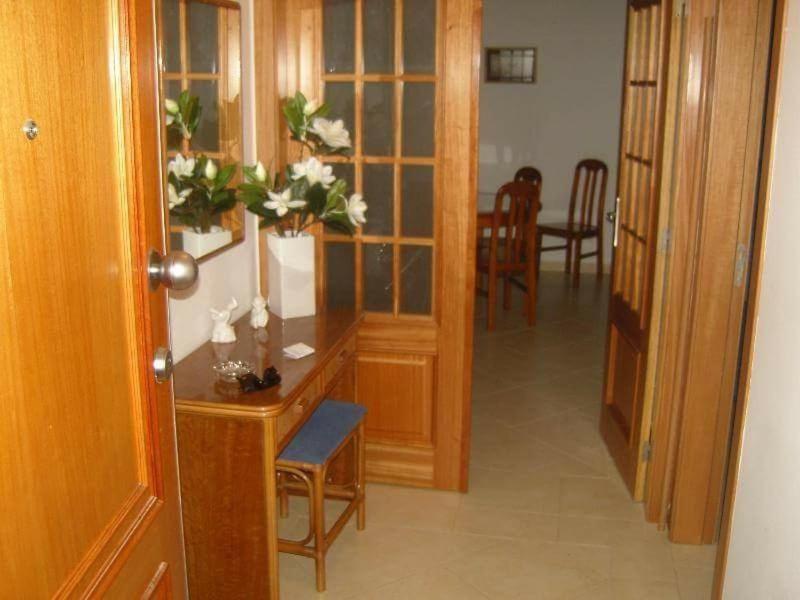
292	290
200	244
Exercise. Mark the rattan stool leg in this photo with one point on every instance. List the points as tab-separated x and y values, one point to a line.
320	548
361	468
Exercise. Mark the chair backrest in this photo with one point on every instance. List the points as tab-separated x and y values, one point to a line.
530	174
518	218
588	194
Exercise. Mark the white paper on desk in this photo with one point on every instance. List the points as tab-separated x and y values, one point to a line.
296	351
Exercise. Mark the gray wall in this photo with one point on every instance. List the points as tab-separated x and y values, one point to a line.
573	110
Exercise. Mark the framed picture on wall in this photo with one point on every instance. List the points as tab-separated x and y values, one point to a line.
511	65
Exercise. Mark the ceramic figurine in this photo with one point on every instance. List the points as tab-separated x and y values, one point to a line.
223	332
259	317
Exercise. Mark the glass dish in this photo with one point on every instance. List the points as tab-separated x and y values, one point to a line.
230	370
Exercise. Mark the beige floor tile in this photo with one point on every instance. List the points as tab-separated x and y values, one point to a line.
436	584
522	569
608	532
496	522
597	497
694	557
534	491
695	584
642	561
629	590
408	507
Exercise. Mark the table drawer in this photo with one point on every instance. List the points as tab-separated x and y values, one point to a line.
302	404
334	367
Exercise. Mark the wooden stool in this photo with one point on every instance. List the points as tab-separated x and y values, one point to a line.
327	432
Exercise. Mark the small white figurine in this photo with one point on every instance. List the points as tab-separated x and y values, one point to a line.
259	317
223	332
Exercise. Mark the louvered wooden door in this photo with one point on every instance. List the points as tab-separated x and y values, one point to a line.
635	232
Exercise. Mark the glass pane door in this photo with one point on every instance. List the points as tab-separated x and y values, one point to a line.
380	75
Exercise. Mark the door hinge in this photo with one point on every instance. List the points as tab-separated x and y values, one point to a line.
647	451
741	265
665	241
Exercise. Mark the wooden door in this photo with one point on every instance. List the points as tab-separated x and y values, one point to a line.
403	75
638	183
89	490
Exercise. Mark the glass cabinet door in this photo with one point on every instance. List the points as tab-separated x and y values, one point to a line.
380	70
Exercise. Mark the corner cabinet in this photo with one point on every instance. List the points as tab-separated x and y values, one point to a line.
403	74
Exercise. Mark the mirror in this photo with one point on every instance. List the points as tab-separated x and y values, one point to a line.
200	62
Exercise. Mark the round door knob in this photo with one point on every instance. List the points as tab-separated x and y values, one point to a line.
176	271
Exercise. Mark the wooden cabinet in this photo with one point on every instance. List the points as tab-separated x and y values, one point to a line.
410	100
228	442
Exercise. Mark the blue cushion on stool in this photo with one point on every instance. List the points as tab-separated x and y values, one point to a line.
324	432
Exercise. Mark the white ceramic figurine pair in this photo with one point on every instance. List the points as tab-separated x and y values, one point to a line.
223	332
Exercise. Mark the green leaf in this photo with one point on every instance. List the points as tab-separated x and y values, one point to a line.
339	222
255	188
316	197
224	175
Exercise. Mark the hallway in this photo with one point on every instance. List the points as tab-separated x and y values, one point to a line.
546	516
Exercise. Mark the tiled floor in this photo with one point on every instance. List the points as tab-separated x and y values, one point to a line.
547	516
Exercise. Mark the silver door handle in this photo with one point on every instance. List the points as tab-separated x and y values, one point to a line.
613	217
176	271
162	364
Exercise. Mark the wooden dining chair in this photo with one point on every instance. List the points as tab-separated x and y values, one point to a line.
588	195
530	174
512	251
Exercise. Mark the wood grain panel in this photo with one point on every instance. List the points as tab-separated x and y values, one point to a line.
723	237
224	506
89	490
397	390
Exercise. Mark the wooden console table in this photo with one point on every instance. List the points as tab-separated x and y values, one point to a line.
228	441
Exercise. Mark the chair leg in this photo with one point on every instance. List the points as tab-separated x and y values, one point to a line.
576	269
491	300
320	548
600	258
539	240
531	281
361	468
568	260
506	292
283	496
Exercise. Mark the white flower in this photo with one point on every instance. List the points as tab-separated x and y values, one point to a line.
310	108
332	133
260	172
182	167
171	106
314	172
356	207
176	199
281	203
211	170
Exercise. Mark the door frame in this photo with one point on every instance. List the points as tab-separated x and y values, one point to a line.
686	474
753	294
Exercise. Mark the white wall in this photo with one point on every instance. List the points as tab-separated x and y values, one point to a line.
571	112
234	272
764	552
